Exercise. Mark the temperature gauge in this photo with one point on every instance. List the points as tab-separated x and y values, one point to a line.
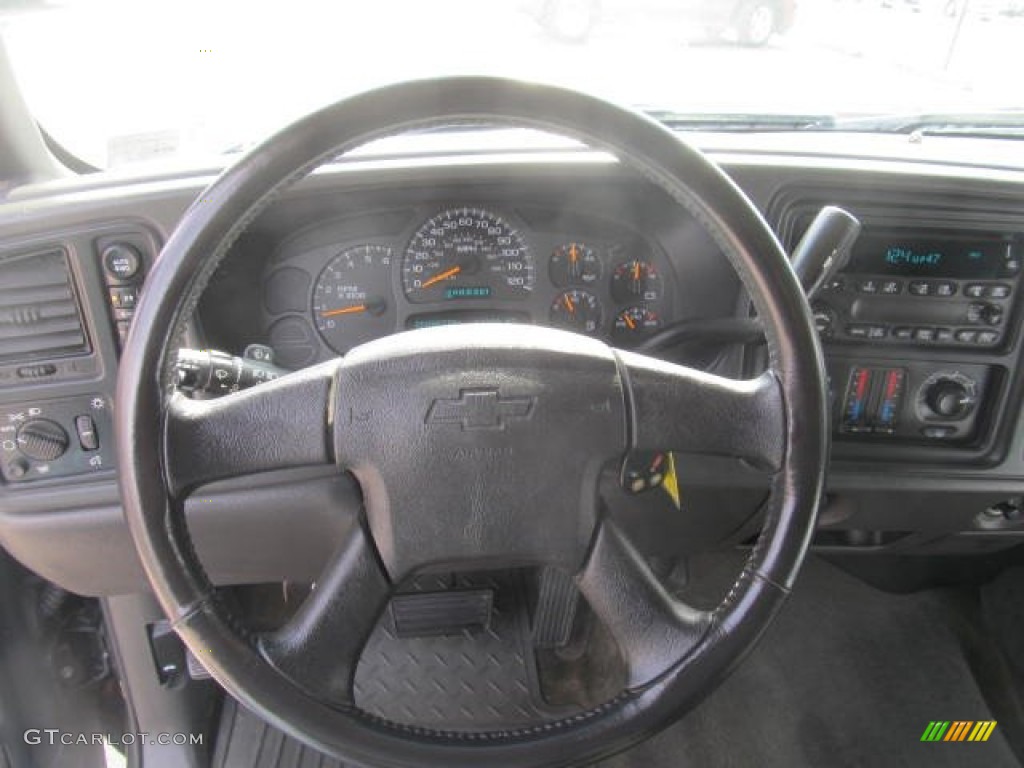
574	264
636	280
576	310
636	322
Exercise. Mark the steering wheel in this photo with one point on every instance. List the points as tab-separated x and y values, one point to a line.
402	411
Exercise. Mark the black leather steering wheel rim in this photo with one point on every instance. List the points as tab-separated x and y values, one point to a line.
200	242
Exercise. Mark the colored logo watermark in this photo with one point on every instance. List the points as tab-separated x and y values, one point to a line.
958	730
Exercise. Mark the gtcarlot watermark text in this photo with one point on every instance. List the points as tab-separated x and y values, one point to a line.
55	736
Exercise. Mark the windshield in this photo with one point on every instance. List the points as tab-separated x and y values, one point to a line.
131	81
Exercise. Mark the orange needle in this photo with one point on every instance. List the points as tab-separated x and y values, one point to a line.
443	276
636	271
568	304
344	311
630	322
572	253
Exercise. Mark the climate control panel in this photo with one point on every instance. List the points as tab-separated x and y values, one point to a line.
908	401
55	438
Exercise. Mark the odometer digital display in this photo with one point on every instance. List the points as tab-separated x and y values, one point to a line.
467	254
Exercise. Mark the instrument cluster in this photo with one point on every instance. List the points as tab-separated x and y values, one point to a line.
466	264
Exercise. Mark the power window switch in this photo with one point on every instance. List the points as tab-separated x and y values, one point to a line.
87	436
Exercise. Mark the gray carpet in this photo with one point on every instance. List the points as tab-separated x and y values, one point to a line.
851	676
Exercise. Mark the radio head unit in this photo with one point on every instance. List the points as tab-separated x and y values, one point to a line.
923	288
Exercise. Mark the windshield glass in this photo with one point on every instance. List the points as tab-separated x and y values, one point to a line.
129	81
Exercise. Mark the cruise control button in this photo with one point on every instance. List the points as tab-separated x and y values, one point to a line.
924	334
919	288
944	289
998	291
974	291
966	335
987	337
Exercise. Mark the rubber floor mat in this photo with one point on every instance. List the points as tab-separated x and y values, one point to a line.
465	681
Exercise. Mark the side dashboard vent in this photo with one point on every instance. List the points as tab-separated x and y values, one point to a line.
39	312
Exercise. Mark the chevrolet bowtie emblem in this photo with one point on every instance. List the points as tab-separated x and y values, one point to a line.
480	409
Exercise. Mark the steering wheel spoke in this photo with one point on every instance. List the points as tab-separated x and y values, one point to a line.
282	423
320	646
654	630
682	409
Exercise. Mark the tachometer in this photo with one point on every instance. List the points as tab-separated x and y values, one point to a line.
467	253
352	298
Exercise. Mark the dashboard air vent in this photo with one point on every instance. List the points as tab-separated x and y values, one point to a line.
39	313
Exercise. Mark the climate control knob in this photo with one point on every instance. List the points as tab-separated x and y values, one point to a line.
42	439
949	398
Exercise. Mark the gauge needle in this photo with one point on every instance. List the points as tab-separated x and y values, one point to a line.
573	253
374	305
636	271
568	304
443	276
630	322
345	310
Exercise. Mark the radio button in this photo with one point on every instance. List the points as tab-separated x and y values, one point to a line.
924	334
974	291
938	433
998	291
877	331
891	287
903	333
868	286
966	336
943	335
857	331
944	289
920	288
987	337
1011	266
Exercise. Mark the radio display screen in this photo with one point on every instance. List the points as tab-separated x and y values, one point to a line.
910	256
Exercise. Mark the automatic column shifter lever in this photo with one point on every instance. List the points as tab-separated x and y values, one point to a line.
825	247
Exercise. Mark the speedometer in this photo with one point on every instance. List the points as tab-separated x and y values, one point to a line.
467	253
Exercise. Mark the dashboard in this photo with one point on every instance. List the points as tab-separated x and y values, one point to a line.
921	334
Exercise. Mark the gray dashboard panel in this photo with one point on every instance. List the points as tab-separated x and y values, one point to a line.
75	534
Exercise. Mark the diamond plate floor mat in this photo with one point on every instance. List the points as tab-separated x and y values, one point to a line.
472	680
469	680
